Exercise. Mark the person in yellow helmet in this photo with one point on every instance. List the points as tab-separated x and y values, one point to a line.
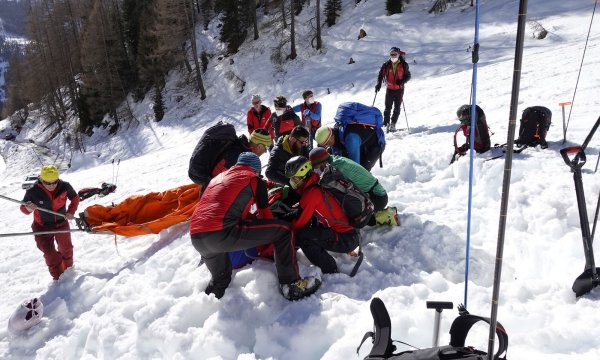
51	193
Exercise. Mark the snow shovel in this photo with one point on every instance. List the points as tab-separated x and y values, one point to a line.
590	278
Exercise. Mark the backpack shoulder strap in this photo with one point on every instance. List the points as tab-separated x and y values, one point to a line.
463	323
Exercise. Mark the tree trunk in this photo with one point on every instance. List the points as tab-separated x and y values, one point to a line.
283	14
198	71
254	18
293	54
319	44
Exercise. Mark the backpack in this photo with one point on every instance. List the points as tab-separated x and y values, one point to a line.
357	113
213	143
103	190
356	204
383	347
535	122
482	141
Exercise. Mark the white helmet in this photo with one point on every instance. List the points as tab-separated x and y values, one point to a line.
28	314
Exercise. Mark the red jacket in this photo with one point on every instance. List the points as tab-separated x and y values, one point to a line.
55	200
316	201
394	81
260	119
228	198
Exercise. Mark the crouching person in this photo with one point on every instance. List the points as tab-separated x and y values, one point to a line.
320	223
221	223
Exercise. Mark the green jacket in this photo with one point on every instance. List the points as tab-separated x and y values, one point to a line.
360	176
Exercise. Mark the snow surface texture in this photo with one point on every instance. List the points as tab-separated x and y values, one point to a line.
145	298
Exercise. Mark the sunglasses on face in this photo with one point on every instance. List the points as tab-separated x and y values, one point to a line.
303	141
50	183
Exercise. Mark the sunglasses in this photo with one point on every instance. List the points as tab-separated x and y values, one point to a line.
50	183
303	142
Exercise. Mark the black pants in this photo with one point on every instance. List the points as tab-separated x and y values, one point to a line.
317	240
214	246
392	97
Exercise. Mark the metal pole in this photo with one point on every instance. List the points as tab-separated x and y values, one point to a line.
512	121
562	105
405	117
39	208
40	232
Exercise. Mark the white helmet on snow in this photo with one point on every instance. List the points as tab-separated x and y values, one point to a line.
28	314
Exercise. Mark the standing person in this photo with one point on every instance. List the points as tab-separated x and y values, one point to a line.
222	223
396	74
258	116
310	111
284	119
51	193
320	222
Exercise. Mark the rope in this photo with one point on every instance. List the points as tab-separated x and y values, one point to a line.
581	65
474	59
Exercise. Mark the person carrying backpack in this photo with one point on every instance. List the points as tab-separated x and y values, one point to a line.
222	223
258	116
396	73
219	148
481	136
51	193
319	222
284	119
310	111
363	179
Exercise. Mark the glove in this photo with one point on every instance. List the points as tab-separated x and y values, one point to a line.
69	216
377	88
306	112
30	206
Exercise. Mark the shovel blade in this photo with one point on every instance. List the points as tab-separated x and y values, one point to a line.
586	282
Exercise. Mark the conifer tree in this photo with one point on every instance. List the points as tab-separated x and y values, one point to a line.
332	11
393	6
235	22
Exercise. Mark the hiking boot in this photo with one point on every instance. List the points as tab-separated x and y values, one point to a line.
218	287
300	288
392	127
387	216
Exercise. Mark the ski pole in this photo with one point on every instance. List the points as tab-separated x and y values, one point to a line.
40	232
406	117
38	208
117	177
562	105
374	99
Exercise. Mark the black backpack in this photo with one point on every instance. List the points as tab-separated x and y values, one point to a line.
383	347
482	141
356	204
535	122
213	143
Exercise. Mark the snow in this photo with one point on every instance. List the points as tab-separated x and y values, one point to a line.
144	297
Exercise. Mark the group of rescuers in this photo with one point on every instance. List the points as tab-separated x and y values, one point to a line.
233	212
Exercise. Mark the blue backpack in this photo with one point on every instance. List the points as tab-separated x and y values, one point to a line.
357	113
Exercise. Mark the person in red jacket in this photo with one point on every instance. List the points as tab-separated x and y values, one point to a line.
51	193
258	116
320	222
284	119
396	74
222	222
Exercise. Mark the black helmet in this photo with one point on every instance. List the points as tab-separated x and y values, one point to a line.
464	114
298	166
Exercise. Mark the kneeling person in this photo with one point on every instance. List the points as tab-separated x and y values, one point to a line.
221	223
362	179
321	224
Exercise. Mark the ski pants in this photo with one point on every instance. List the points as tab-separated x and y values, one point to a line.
214	246
59	257
315	241
392	97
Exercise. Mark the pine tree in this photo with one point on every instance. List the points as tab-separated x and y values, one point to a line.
332	11
393	6
233	32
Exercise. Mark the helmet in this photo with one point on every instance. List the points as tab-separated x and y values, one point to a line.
49	173
297	166
28	314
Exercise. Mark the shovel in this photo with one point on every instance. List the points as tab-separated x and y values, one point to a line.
590	277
